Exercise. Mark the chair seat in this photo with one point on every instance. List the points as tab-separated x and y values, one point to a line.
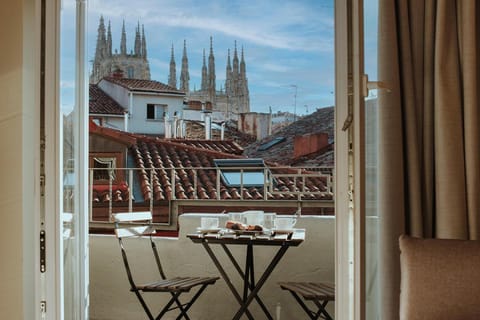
311	290
177	284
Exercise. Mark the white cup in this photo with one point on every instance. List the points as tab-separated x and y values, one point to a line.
208	223
236	216
285	223
269	220
253	217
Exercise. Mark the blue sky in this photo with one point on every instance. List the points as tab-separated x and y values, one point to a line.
286	42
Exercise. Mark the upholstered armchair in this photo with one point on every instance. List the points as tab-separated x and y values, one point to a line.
440	279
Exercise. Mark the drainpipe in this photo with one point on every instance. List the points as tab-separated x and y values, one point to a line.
125	122
130	109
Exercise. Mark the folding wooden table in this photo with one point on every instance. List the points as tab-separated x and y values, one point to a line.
250	286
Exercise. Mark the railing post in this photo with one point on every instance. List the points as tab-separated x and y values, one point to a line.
265	181
218	184
151	191
130	185
110	202
195	182
172	181
241	183
90	206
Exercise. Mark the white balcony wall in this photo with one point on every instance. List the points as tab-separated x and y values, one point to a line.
110	297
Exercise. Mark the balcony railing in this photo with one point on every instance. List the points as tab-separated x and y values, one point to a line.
168	191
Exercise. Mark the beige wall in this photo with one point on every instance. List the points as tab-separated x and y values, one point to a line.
17	160
110	298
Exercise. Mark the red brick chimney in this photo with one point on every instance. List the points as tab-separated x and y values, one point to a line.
309	143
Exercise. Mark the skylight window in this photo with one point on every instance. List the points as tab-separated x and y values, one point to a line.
271	143
243	172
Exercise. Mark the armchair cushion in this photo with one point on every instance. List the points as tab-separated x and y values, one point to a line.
440	279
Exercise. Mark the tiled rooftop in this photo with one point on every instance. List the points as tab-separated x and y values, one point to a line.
321	120
193	179
162	154
102	103
140	85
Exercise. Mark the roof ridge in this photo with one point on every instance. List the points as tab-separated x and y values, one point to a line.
122	136
192	148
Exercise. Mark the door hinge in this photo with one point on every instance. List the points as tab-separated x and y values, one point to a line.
42	252
43	307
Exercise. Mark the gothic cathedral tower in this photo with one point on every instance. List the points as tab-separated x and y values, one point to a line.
123	64
235	99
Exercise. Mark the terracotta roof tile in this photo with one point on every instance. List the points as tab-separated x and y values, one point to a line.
141	85
101	103
224	146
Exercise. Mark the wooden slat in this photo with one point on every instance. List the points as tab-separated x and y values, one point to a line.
132	216
177	284
311	290
134	231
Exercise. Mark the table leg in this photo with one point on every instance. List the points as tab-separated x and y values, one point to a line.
226	278
249	267
253	294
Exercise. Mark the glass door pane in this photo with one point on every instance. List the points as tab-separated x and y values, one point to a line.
371	147
69	118
72	138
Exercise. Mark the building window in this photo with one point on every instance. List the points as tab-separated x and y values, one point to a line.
243	172
271	143
130	73
156	111
104	168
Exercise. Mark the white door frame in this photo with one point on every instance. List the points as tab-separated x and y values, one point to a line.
349	161
50	283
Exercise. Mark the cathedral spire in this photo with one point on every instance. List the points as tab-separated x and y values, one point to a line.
109	40
204	86
172	77
144	44
211	73
184	75
242	66
123	41
235	70
228	75
138	41
101	42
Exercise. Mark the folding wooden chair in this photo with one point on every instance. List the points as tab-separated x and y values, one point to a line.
319	293
130	225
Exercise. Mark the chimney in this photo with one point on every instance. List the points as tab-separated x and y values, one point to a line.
181	128
309	143
175	125
208	126
168	126
222	132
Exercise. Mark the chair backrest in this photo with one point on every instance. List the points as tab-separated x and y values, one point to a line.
440	279
135	224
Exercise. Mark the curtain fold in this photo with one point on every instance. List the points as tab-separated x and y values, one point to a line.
429	128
